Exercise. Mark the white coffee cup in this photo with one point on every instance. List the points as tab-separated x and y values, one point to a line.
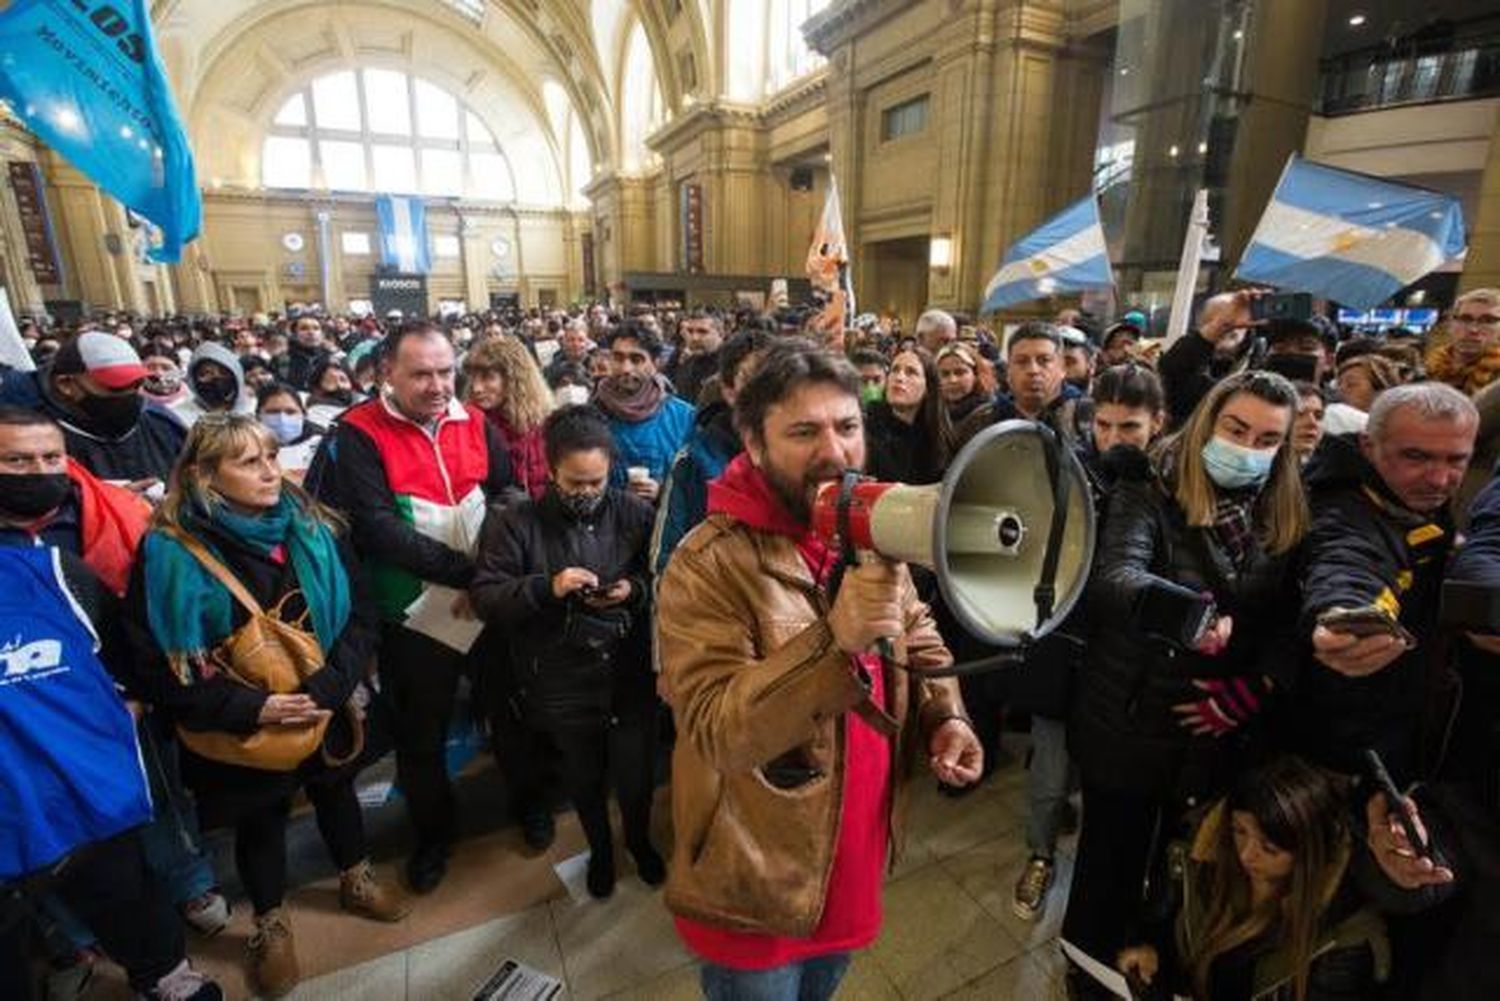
638	474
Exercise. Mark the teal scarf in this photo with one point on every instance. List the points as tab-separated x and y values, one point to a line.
191	612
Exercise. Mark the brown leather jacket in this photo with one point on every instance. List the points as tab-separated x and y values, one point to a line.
760	692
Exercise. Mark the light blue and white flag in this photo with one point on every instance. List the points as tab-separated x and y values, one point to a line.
86	78
1064	254
1349	237
403	234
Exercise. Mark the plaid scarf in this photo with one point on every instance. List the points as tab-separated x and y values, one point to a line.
1234	524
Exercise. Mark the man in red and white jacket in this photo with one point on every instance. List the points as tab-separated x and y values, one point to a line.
415	471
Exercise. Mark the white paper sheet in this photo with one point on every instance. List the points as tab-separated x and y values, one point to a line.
432	616
1110	978
574	873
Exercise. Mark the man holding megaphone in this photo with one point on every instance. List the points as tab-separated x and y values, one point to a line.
795	736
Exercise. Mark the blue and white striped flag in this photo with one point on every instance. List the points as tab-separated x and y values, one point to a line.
1064	254
403	234
1349	237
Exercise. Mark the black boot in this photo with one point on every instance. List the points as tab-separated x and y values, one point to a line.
601	877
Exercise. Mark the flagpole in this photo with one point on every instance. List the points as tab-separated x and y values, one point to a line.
1187	269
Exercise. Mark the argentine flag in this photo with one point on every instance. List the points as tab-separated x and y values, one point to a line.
1064	254
403	234
1349	237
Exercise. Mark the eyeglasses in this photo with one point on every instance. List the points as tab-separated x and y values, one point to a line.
1478	321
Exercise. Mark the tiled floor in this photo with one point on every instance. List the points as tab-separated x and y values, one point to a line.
949	930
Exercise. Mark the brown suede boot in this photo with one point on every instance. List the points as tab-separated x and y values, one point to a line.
379	900
273	955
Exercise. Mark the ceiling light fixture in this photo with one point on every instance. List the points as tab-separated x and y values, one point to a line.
1356	20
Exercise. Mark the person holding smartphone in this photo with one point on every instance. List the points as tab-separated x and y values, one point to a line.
565	578
1380	540
1193	575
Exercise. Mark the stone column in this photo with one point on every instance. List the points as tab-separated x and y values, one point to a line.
1482	265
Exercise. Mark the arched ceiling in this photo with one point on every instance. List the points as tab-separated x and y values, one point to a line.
232	61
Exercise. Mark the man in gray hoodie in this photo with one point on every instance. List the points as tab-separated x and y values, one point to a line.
216	384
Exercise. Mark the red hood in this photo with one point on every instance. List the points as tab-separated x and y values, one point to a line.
742	492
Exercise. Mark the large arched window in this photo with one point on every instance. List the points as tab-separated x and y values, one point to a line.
385	131
640	101
787	54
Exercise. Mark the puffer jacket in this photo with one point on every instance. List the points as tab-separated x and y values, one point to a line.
571	662
757	678
1122	730
1366	548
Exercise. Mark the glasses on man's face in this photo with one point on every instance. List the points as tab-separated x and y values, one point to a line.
1469	320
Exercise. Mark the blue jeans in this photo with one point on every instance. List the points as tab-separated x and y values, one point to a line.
813	979
174	848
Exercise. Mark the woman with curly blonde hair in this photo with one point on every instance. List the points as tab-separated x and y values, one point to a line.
505	383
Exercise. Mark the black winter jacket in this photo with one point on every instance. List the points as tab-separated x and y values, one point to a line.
1122	730
898	452
572	663
1365	548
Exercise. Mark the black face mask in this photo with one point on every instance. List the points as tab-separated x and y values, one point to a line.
580	505
31	495
343	397
112	416
219	393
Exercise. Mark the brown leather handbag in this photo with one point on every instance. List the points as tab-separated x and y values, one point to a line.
270	655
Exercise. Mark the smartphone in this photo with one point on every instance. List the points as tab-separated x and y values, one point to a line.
1282	306
1367	621
1470	606
1395	802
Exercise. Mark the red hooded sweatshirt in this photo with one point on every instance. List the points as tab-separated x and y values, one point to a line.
851	911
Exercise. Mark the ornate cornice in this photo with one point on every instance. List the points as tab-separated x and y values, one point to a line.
843	19
317	199
811	89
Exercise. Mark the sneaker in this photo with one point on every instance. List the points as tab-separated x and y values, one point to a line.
538	830
207	914
273	955
601	875
361	893
1031	889
185	984
427	867
649	865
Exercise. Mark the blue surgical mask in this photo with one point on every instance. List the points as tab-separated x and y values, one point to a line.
1235	467
286	427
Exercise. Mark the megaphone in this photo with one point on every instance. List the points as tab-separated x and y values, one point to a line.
1009	533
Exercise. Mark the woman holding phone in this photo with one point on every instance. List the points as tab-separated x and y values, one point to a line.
565	578
1194	575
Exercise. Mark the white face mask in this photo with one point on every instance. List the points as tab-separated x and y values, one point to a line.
572	396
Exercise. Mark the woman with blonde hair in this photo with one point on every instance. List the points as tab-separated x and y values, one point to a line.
967	379
505	382
235	554
1194	578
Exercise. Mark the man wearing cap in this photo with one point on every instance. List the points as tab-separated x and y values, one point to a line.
92	390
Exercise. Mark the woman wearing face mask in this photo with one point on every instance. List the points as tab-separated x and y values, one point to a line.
505	383
908	434
967	380
279	408
571	385
1259	903
564	578
330	391
1192	588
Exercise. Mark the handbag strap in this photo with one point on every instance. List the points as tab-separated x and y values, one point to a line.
215	567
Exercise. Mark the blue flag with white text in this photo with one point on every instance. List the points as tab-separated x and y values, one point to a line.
1064	254
85	77
403	234
1350	237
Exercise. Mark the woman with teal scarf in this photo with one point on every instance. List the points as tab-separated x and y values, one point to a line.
227	494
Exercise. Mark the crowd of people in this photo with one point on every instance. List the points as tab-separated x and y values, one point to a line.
243	559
